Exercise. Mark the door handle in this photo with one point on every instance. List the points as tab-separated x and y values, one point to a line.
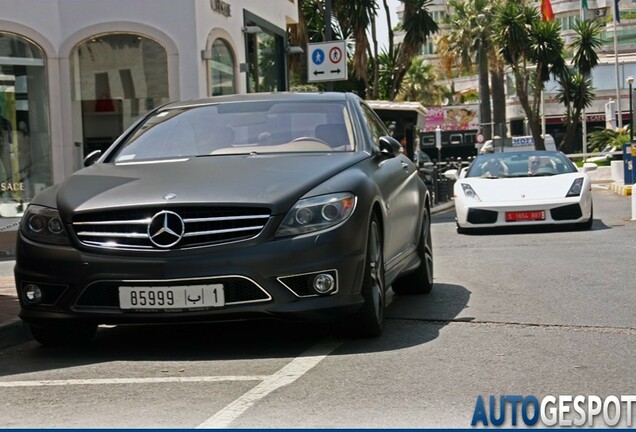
405	166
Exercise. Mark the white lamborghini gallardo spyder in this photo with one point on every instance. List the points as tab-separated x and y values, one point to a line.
522	188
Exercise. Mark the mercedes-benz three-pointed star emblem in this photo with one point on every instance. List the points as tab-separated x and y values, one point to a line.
166	229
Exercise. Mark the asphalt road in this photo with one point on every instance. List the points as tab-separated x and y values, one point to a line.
535	312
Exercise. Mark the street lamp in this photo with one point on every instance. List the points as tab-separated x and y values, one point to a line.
630	81
483	82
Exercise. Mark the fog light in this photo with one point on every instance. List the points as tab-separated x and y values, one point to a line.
32	294
324	283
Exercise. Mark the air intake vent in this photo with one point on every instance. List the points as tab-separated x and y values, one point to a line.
568	212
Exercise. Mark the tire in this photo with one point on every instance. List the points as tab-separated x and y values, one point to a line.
421	280
369	320
64	335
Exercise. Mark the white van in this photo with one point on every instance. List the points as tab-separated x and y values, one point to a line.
522	143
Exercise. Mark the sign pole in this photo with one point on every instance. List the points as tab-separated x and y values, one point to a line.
328	35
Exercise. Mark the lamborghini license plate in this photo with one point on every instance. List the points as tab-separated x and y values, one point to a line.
524	216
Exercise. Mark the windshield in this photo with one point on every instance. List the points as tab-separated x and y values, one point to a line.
241	128
521	164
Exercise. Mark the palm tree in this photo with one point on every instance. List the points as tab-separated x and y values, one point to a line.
576	91
350	21
418	25
420	84
524	41
356	16
385	65
469	38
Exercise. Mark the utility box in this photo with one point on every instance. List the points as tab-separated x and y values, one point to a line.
629	153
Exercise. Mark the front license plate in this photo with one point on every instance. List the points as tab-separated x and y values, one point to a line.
522	216
171	297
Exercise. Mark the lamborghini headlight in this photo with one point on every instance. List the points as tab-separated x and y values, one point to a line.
469	192
317	213
576	188
43	224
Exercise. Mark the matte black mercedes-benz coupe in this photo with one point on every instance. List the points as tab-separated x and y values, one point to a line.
290	206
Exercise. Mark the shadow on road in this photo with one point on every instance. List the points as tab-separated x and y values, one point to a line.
411	321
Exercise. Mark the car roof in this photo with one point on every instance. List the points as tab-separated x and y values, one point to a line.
255	97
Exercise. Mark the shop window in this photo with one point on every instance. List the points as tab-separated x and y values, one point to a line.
221	66
116	79
25	150
266	66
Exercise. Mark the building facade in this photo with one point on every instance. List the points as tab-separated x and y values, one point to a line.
609	78
74	74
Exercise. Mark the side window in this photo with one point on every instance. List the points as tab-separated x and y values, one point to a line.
374	124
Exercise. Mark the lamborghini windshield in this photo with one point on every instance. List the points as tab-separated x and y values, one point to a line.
520	164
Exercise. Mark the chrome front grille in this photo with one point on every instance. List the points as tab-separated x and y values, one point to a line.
132	229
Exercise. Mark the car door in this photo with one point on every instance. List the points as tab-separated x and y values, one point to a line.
398	180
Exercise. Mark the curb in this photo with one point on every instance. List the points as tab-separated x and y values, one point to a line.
14	332
621	189
442	207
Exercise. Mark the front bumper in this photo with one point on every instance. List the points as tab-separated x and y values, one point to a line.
261	278
557	212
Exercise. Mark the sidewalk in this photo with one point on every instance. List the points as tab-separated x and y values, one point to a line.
12	330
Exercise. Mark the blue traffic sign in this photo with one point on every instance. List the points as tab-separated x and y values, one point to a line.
318	56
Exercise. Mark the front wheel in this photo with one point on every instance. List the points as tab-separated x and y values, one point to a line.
369	320
66	334
421	280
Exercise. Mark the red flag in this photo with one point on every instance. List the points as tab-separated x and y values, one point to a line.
546	10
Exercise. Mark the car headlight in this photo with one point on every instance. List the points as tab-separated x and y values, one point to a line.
469	192
576	188
317	213
43	224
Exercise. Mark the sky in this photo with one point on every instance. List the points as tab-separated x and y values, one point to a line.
382	31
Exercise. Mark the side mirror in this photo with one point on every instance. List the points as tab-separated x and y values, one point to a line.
92	157
589	166
451	174
390	147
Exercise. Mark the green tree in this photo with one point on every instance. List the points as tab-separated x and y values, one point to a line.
420	84
384	65
356	17
604	137
469	37
418	25
532	48
576	91
351	19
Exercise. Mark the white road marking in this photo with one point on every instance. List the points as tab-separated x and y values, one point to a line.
287	375
268	383
72	382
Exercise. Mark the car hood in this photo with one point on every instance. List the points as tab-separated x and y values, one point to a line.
522	188
272	181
